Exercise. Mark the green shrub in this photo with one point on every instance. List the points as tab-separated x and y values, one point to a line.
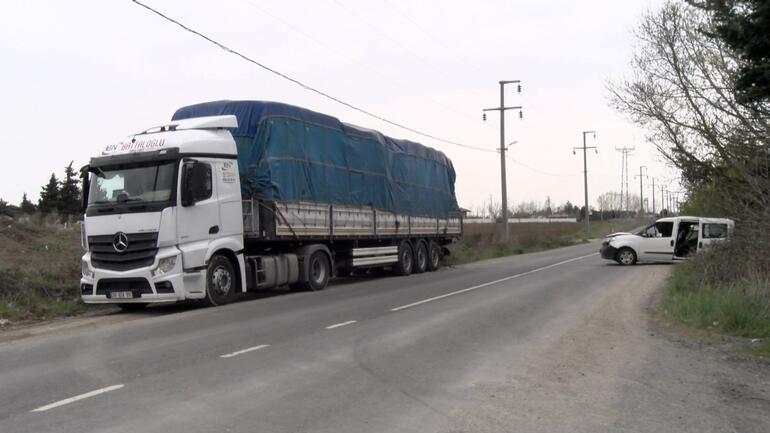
722	290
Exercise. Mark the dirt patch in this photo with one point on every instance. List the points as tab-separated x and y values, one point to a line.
621	368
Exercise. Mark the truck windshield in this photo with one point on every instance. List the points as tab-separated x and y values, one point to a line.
144	183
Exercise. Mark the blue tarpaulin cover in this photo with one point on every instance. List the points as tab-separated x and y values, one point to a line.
288	153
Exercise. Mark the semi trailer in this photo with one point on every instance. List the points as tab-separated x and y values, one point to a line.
237	196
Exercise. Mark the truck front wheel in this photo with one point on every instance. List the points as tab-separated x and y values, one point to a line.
220	281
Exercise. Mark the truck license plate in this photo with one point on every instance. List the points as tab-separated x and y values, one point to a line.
122	295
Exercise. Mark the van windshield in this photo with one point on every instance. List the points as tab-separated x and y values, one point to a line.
661	229
139	183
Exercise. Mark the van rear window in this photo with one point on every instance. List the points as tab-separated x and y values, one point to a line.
714	231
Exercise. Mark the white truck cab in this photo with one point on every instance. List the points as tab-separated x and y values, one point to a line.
147	240
668	239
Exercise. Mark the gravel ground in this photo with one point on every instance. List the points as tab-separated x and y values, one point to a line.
624	368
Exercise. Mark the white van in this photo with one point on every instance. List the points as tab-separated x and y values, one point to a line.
668	239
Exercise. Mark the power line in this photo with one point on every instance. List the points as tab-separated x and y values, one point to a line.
306	86
435	39
537	170
387	36
339	53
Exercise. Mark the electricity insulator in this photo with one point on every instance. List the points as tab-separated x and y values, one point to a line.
484	117
521	114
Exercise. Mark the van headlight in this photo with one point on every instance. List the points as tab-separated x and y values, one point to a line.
85	270
165	266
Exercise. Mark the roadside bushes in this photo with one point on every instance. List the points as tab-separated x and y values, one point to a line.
727	288
39	268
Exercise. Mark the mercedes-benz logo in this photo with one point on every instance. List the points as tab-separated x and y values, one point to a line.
120	242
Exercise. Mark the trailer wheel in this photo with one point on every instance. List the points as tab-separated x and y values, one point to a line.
405	259
318	272
434	256
220	281
420	258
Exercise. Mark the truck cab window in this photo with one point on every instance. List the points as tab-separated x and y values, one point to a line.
137	183
201	181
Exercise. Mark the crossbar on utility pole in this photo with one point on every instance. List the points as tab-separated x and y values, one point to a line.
504	187
585	178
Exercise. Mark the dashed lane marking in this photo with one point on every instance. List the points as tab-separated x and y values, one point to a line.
77	398
446	295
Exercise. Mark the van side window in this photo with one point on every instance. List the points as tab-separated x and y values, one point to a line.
714	231
665	228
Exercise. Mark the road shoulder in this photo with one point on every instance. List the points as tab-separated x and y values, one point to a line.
622	367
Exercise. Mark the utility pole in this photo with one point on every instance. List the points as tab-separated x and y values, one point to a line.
502	109
641	188
624	174
585	176
653	196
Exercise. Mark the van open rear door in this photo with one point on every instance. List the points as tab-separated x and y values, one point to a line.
712	230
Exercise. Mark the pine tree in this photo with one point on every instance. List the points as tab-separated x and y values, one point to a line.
27	206
49	196
741	24
69	193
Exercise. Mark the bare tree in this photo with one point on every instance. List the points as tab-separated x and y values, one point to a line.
683	93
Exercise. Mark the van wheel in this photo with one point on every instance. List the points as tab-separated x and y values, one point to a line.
220	281
434	256
318	270
405	259
626	257
420	258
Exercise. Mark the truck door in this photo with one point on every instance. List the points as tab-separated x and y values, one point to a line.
197	220
657	243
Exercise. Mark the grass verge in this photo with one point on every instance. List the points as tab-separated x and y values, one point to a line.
39	269
711	293
482	241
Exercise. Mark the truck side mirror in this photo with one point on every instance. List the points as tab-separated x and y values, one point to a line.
86	186
186	190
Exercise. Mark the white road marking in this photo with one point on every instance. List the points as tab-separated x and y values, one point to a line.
77	397
247	350
339	325
446	295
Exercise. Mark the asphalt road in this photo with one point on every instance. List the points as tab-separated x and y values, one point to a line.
427	352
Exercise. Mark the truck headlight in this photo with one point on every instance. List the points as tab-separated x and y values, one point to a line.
165	266
85	270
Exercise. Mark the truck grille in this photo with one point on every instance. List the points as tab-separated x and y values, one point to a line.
139	253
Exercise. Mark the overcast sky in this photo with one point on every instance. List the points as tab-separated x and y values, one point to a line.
78	75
